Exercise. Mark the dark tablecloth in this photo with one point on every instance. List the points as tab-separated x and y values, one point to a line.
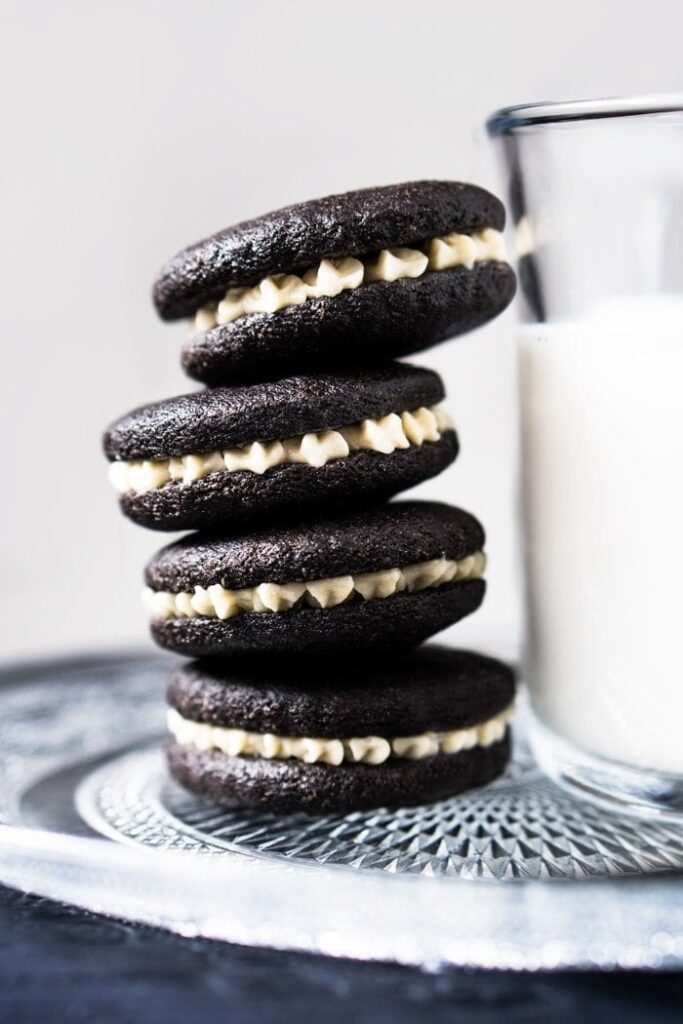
59	964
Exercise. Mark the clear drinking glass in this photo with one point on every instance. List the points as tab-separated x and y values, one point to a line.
596	196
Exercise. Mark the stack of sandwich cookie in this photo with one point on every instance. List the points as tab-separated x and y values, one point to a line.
284	464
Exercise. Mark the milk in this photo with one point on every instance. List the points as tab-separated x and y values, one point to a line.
602	488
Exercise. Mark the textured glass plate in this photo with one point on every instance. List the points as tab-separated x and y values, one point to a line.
552	881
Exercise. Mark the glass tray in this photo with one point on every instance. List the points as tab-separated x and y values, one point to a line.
518	875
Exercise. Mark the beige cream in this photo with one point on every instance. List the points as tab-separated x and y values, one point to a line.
360	749
330	277
217	601
384	434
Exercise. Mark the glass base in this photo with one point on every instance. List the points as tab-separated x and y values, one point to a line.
610	783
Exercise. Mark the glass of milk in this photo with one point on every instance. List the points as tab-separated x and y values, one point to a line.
596	197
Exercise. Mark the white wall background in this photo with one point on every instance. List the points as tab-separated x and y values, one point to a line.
132	128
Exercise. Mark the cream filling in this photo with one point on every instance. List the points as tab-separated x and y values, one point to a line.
384	435
330	277
365	749
217	601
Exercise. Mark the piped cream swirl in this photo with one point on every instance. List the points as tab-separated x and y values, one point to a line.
384	435
357	750
217	601
330	277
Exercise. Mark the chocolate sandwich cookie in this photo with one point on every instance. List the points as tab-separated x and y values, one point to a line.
231	454
336	736
375	580
376	273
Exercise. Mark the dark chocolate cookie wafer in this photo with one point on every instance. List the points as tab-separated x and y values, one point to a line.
371	274
374	580
233	454
294	734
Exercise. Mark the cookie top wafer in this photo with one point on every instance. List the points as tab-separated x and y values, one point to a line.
230	417
296	237
432	688
399	534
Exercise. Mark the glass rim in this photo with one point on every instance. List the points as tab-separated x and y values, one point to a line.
508	119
